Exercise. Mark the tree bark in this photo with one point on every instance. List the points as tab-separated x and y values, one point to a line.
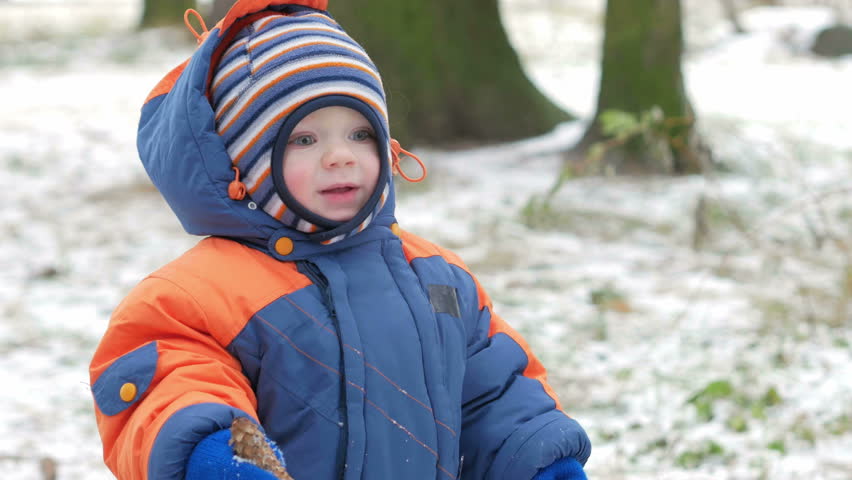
160	13
640	70
449	71
218	11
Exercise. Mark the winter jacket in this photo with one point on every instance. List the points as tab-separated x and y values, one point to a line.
375	357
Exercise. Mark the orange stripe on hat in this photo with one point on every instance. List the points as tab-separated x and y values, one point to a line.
286	112
320	16
261	24
274	83
259	180
280	212
234	46
227	41
290	31
257	67
233	71
224	108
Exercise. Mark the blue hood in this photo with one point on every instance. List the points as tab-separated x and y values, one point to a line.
187	161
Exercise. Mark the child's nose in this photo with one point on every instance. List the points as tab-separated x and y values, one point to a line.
338	156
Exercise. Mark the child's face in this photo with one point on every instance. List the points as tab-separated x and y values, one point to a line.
331	163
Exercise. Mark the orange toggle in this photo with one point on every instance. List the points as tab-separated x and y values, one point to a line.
198	36
236	189
396	148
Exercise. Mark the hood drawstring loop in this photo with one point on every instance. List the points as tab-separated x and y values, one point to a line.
236	189
396	148
199	37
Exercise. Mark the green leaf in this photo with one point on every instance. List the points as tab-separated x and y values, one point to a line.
694	458
758	411
713	391
704	410
840	425
704	399
596	151
778	446
737	423
771	397
618	122
714	448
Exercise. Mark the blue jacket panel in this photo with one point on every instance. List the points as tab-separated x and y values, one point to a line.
359	373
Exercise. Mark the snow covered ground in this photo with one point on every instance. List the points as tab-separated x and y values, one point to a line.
731	361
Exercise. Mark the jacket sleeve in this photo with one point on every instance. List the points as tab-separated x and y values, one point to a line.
162	380
512	422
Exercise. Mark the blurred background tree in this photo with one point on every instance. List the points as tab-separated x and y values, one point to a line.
452	78
218	11
158	13
449	72
644	121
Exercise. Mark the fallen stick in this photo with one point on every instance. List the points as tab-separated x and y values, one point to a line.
250	443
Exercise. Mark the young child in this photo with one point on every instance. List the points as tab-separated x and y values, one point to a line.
361	350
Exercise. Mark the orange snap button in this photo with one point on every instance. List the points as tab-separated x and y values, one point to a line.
127	392
396	230
284	246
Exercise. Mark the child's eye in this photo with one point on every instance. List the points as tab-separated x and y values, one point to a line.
363	135
302	140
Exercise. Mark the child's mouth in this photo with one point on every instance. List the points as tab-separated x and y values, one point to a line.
339	190
341	194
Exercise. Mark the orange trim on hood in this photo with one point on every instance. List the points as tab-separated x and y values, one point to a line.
245	7
165	85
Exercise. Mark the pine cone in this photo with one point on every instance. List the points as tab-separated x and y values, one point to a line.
250	444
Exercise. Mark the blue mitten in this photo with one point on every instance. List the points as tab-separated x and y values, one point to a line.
214	459
564	469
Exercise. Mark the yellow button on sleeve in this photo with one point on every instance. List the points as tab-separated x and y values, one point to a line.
127	392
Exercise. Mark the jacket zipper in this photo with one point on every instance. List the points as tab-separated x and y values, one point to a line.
312	271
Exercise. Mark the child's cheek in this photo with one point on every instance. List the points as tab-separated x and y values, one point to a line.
299	181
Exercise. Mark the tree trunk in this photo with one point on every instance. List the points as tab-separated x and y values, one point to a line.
218	11
160	13
449	71
640	71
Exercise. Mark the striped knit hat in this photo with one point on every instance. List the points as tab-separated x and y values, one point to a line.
278	68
